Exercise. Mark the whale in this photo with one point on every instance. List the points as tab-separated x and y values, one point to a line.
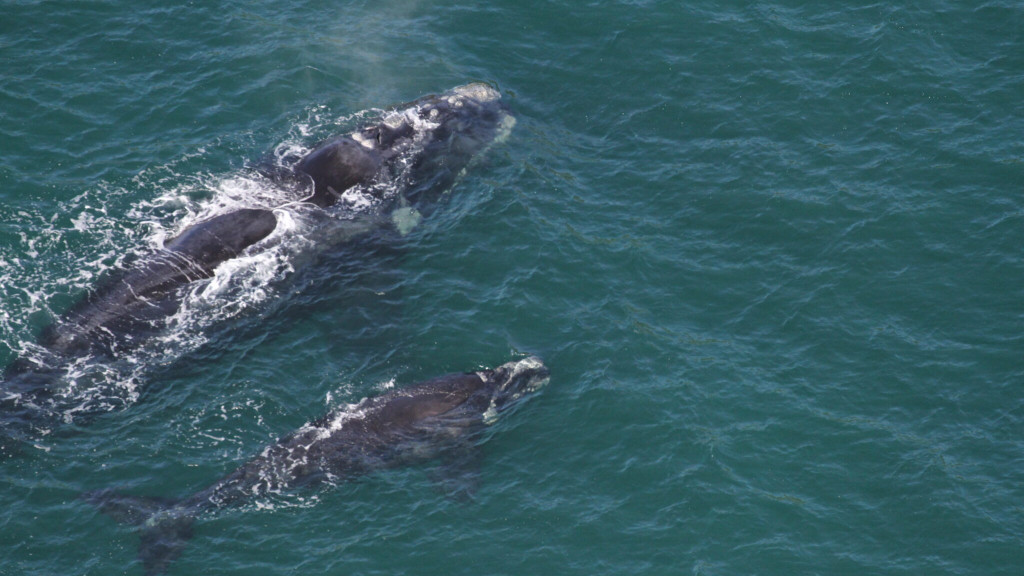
385	174
438	420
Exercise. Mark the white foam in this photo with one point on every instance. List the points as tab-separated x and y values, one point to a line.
357	198
337	418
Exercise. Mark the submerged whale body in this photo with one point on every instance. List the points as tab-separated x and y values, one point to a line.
402	162
438	419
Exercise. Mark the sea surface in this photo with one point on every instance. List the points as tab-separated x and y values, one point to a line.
772	252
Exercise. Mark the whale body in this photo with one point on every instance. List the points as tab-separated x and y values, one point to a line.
438	419
384	175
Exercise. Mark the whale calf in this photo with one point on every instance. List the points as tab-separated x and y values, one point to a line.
385	174
436	419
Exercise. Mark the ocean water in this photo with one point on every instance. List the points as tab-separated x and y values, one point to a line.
771	253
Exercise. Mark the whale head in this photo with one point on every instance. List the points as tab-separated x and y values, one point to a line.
433	139
509	384
469	117
413	152
466	397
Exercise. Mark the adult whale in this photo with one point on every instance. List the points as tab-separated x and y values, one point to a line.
384	174
437	419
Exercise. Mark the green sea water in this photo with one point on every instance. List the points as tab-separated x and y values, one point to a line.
770	251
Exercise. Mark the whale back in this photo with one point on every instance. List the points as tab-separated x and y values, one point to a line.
337	166
129	301
221	238
433	402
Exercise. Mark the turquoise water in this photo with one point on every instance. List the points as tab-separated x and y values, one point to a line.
771	253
